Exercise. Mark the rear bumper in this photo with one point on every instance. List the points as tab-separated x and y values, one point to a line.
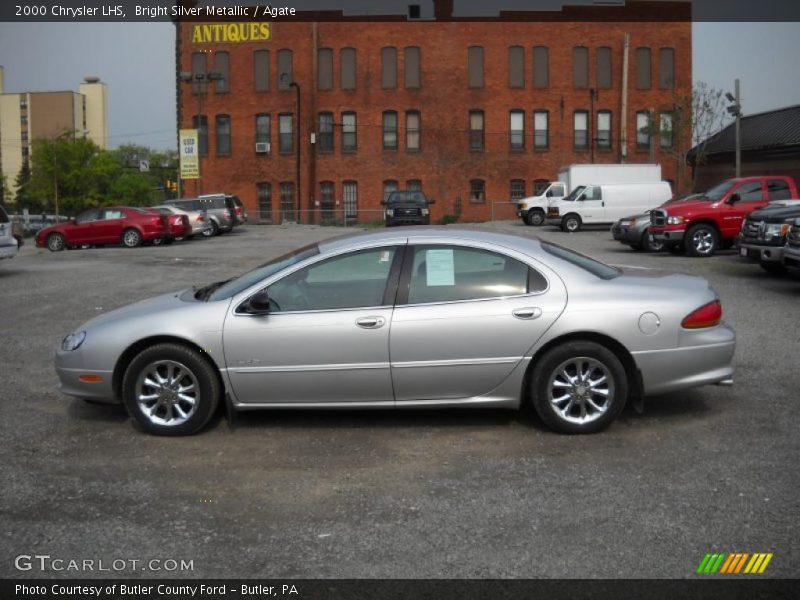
676	369
9	250
759	253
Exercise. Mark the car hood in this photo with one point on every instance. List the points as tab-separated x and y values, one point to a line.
688	206
775	213
149	307
639	217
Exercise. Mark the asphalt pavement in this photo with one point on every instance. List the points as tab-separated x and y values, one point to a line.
417	494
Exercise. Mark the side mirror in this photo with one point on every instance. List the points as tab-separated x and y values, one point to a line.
258	304
549	193
733	199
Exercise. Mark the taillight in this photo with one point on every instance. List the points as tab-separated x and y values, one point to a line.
200	218
707	315
238	211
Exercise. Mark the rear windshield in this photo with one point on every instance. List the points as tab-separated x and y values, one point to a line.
407	198
595	267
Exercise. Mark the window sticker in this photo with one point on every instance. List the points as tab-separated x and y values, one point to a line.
440	267
384	256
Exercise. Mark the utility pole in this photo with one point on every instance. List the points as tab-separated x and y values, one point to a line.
736	110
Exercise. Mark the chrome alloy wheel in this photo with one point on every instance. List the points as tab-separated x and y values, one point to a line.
131	238
55	243
703	241
580	390
167	393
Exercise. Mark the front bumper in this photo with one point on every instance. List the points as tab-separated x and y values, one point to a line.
72	385
628	234
704	358
791	257
667	235
761	253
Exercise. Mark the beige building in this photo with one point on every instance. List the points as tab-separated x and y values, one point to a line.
26	116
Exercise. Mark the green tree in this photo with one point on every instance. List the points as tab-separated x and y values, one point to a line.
25	197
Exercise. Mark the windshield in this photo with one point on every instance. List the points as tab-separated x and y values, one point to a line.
575	193
718	191
595	267
226	289
407	198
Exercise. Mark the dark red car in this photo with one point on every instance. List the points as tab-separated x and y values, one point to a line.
108	225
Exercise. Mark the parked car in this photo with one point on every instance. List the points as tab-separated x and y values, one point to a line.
635	230
198	221
220	215
9	244
791	251
477	318
124	225
713	221
763	234
407	207
233	203
605	203
241	210
178	226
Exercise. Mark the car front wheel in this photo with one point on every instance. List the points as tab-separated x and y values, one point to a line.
578	387
535	218
702	240
571	223
649	244
55	242
170	389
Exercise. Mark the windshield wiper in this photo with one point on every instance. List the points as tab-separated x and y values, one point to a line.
204	292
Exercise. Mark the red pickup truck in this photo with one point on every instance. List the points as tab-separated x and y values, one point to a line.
712	221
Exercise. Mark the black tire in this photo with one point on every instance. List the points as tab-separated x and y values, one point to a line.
548	373
535	218
131	238
212	231
571	223
649	244
701	240
674	248
200	373
773	268
55	242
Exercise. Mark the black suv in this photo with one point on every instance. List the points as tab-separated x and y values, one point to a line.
407	208
764	232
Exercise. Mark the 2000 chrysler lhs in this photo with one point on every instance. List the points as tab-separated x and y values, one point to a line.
423	317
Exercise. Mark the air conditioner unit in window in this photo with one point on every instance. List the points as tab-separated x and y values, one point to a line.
262	147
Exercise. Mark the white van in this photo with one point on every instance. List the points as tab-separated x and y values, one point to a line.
605	203
532	209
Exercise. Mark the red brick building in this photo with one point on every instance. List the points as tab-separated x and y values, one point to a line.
472	111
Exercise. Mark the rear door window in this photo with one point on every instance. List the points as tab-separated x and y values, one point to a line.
778	189
88	216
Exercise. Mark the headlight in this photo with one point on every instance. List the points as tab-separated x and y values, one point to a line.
633	222
73	341
775	230
390	212
425	212
674	220
624	223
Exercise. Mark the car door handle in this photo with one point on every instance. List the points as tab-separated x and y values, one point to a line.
370	322
527	313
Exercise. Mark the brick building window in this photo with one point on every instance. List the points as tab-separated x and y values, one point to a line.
666	130
389	67
412	68
476	130
223	134
517	129
389	130
325	132
222	67
603	65
389	186
539	186
477	190
413	129
516	67
414	185
643	129
262	129
287	201
604	129
347	68
350	197
285	133
517	189
643	68
475	66
200	122
541	67
580	139
264	199
666	68
285	69
541	129
580	67
349	136
324	69
326	201
199	69
261	70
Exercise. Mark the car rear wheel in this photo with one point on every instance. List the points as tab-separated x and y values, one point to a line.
578	387
211	231
170	389
131	238
55	242
571	223
702	240
535	218
650	244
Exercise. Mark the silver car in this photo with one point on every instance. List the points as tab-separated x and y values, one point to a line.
418	317
199	221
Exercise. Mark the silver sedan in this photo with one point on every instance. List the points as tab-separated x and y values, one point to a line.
423	317
198	220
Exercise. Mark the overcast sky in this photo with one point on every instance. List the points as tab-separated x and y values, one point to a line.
136	60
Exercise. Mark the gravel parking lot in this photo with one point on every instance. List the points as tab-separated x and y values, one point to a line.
419	494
